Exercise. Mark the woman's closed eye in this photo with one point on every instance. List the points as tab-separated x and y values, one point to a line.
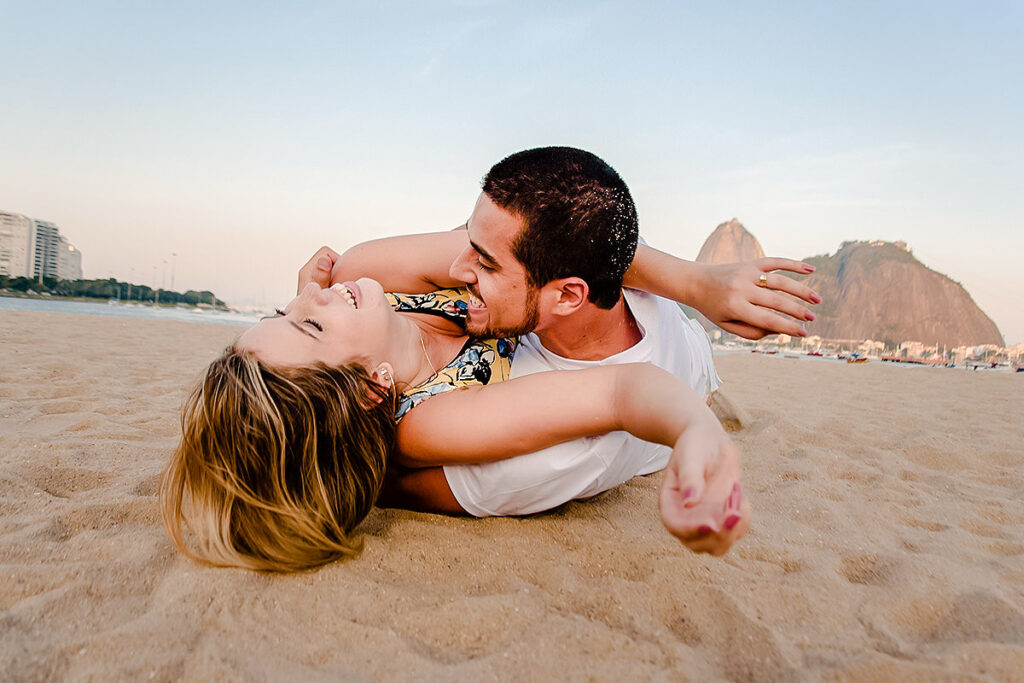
308	321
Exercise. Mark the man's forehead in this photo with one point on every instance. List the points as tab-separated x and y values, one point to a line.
492	229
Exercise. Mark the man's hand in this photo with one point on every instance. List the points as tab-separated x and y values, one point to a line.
732	297
702	502
318	269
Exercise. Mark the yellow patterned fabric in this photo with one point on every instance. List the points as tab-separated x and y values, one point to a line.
481	361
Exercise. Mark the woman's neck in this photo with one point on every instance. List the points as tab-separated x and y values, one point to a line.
422	349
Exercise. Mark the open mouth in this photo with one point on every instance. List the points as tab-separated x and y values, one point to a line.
349	291
475	301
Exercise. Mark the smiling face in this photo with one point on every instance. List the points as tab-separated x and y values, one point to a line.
350	322
502	303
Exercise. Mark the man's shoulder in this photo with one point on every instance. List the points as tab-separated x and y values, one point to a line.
650	306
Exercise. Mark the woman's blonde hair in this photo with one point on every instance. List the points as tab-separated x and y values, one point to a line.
277	466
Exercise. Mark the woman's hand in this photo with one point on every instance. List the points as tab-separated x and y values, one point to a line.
731	296
318	269
702	502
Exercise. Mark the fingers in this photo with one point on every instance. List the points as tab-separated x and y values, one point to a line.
786	284
691	480
783	303
769	264
781	283
714	526
773	323
743	330
318	268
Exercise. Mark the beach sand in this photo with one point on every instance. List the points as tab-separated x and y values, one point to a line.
887	542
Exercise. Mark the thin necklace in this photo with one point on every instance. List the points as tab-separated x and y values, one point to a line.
426	355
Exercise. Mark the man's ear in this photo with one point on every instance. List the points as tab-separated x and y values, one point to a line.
567	295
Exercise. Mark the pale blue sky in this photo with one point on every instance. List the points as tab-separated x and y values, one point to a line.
244	136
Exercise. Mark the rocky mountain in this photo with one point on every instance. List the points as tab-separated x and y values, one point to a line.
879	290
730	242
873	290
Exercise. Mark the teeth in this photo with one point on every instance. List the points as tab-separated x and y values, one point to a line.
346	292
476	302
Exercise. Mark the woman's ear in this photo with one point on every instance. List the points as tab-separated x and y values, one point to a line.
383	375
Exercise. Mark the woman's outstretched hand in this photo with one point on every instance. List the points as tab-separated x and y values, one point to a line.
702	502
318	269
733	297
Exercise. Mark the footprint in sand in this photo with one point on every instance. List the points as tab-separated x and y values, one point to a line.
64	482
867	570
732	417
753	650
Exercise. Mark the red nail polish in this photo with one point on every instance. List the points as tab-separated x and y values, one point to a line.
809	267
810	316
705	529
731	521
688	493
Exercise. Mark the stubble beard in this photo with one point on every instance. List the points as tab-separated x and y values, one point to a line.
528	324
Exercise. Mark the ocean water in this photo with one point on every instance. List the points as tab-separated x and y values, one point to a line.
124	310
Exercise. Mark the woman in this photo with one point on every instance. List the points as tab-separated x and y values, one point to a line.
286	441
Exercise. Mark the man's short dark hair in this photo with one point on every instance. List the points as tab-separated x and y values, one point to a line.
579	217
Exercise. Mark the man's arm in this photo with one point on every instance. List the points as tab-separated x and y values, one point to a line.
729	294
423	490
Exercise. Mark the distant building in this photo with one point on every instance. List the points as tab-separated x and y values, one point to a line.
36	249
17	245
69	261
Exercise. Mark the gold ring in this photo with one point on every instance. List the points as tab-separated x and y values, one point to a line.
762	281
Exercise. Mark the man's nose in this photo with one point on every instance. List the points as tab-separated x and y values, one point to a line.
461	269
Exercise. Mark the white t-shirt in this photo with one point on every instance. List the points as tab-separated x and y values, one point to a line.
585	467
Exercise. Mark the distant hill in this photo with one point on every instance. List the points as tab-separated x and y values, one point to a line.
878	290
872	290
730	242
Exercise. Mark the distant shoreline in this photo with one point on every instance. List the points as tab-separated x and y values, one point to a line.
125	309
101	300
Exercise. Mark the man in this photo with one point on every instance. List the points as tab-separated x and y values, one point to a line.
544	255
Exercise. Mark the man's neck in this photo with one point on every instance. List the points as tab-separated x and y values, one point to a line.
593	333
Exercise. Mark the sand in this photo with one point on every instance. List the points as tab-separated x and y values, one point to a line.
887	542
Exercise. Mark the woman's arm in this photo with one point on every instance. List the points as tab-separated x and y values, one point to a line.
487	423
410	264
701	500
729	293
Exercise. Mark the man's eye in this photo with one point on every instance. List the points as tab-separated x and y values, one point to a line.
314	324
278	311
482	264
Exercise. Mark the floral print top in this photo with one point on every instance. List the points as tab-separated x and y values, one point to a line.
481	361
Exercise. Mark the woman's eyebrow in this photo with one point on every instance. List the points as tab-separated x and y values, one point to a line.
277	314
297	326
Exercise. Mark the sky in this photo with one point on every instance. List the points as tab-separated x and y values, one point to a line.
220	144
